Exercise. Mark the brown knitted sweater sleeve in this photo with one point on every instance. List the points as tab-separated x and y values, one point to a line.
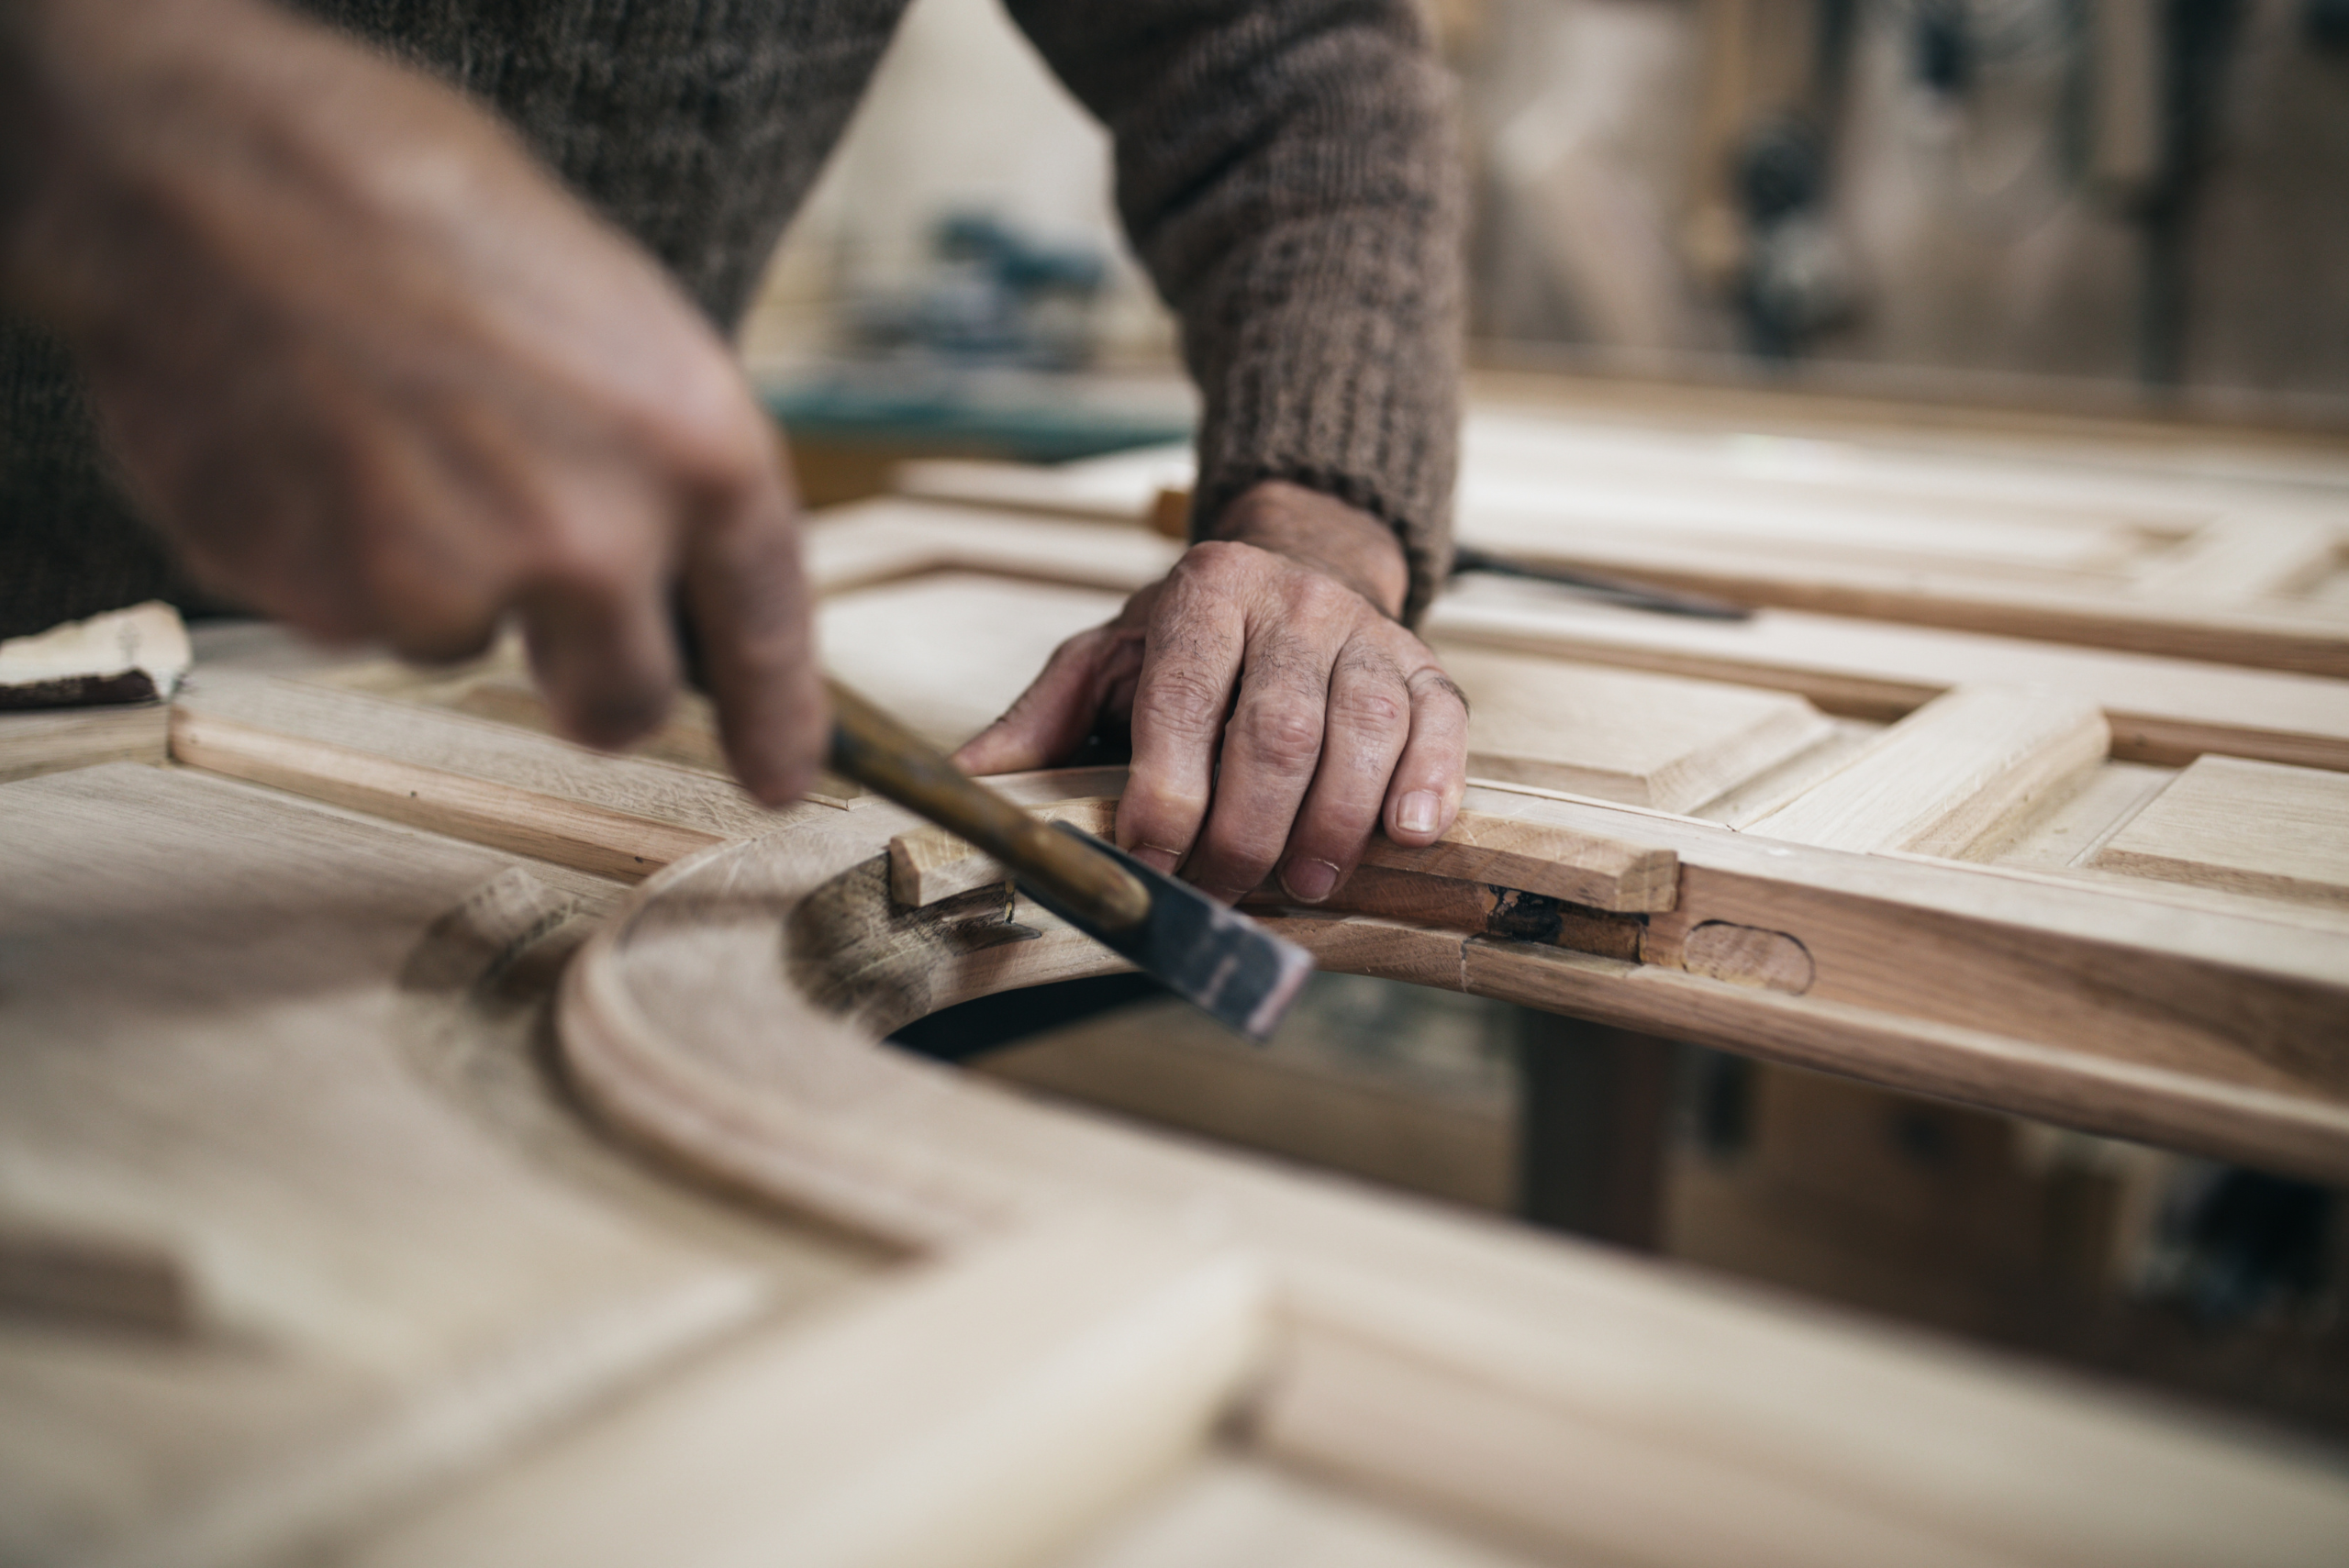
1287	171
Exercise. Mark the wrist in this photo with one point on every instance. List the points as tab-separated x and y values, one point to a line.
1323	532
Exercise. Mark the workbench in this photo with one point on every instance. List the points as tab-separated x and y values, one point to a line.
425	1141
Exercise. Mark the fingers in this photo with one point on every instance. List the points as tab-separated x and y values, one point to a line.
1053	715
746	594
1271	749
1197	634
1432	778
602	656
1369	723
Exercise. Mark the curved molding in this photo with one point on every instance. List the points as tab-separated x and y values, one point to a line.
1568	1399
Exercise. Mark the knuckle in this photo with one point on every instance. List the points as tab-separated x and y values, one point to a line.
1284	732
1315	598
1184	700
1216	563
570	556
1377	708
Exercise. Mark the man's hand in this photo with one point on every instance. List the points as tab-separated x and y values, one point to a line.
1280	714
377	376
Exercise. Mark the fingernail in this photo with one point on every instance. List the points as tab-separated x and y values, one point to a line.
1417	814
1308	882
1156	860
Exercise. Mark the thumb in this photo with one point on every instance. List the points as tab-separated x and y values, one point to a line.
1052	718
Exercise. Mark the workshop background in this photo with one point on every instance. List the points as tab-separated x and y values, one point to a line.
2101	207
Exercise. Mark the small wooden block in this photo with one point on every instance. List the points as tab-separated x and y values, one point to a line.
60	739
2255	828
1558	862
1948	774
930	863
1662	741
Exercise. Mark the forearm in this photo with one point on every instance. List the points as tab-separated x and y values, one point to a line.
1288	174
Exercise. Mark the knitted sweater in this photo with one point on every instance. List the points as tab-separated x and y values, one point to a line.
1285	171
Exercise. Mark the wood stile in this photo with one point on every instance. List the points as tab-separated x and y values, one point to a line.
1947	774
2160	710
1556	1399
2273	633
532	795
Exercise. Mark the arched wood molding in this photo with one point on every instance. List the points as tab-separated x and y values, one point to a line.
1555	1394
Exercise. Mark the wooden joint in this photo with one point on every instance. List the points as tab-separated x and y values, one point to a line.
926	864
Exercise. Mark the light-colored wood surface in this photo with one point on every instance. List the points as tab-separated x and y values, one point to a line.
1618	735
982	1414
1602	870
2174	1016
2243	827
2013	544
1232	1513
282	1057
1948	774
947	653
49	741
929	863
2161	710
2239	559
532	795
1537	1393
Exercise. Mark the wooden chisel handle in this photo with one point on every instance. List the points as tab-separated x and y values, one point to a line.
890	760
885	757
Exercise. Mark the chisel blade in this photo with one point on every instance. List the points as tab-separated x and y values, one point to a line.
1215	958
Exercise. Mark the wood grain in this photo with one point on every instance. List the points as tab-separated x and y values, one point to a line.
2242	826
1619	735
1603	872
929	863
1549	1395
1947	774
982	1415
2161	709
268	1072
53	740
947	653
531	794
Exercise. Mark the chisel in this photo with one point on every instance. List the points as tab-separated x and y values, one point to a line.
1216	958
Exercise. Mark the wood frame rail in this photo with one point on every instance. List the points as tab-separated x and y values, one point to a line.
2180	1016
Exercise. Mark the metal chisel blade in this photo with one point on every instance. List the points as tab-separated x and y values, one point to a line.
1215	958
